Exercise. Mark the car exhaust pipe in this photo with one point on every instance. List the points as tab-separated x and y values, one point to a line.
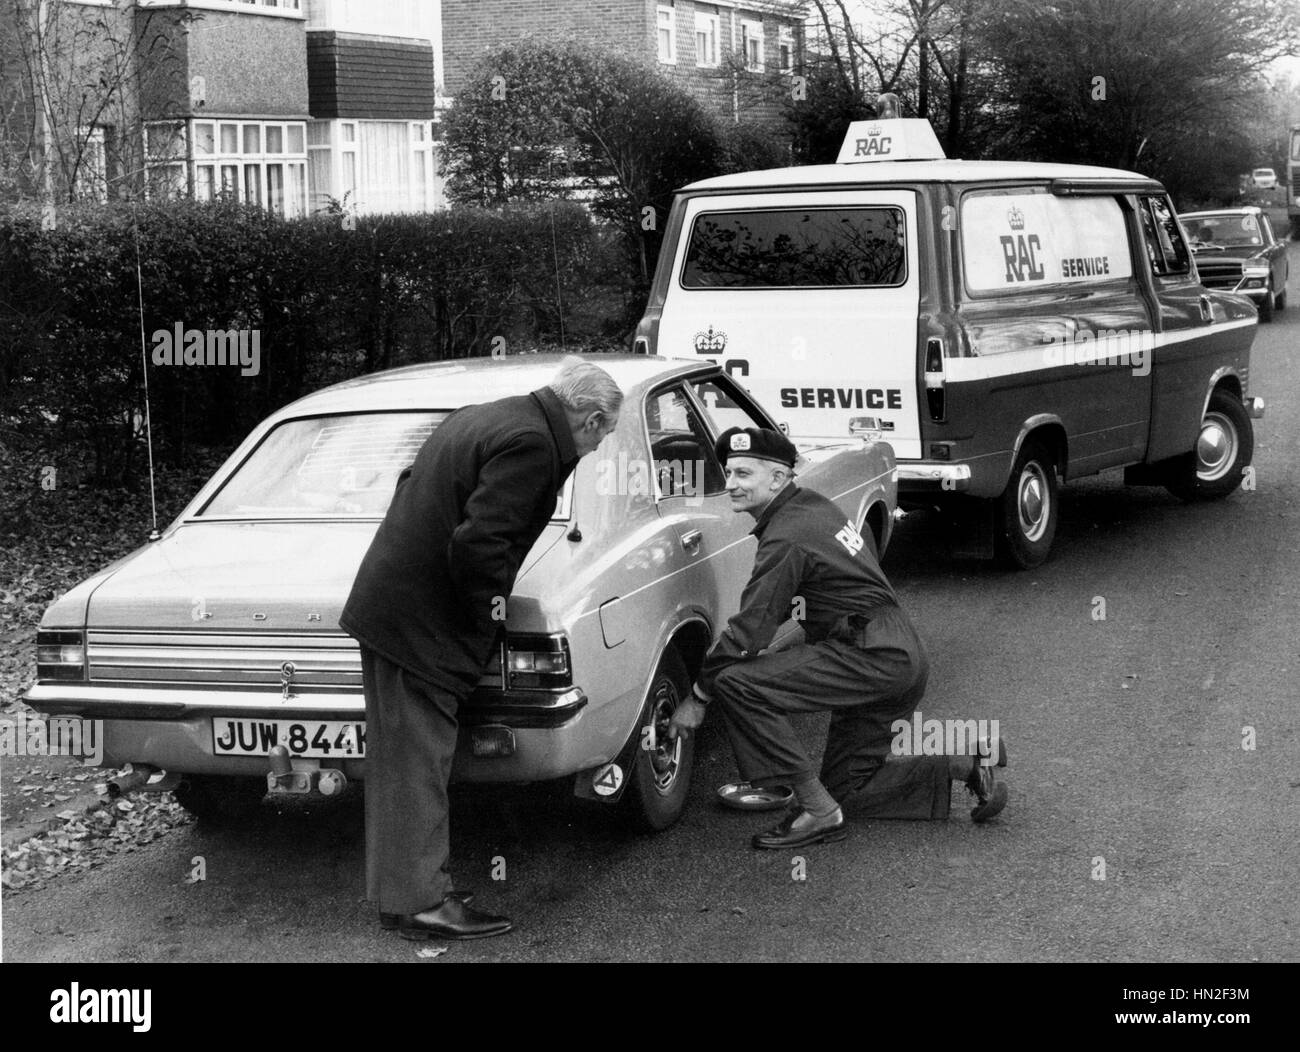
143	777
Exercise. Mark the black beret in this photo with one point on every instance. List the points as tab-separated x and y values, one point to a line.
756	442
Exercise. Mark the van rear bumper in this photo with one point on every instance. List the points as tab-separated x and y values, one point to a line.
916	475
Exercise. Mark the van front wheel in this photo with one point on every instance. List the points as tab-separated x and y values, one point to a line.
1224	449
1027	509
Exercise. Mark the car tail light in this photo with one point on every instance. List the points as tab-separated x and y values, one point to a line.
537	662
60	654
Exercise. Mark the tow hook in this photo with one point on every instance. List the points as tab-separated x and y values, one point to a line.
298	776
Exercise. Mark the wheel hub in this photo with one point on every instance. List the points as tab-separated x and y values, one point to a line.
1032	502
1216	449
665	753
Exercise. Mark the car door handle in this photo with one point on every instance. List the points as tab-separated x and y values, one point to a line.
691	539
1207	311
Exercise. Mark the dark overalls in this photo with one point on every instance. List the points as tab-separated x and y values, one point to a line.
862	661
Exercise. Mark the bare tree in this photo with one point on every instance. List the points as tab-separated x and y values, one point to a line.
71	80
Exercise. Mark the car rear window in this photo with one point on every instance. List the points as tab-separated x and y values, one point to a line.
785	248
325	466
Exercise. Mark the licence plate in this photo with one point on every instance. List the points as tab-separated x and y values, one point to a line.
315	738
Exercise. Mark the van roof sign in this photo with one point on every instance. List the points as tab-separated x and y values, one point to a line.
896	139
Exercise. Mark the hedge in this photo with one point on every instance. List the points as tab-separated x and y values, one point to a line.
326	303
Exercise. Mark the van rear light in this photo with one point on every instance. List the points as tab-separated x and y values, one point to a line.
934	378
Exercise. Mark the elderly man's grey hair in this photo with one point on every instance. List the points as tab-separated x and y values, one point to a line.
585	387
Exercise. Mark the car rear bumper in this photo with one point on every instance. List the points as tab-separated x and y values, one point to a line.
174	729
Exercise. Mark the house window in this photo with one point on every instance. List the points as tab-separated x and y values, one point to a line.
667	25
785	48
706	40
751	45
256	162
373	167
91	182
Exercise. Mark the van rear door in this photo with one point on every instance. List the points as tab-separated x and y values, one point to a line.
810	299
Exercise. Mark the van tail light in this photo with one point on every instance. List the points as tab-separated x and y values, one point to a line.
646	340
934	379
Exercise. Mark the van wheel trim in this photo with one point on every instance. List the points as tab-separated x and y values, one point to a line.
1033	501
1216	448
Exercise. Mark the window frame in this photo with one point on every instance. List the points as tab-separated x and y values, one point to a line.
704	213
671	25
709	26
785	39
752	32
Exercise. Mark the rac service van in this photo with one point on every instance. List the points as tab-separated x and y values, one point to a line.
1000	324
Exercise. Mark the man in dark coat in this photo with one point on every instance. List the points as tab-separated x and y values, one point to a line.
426	607
860	658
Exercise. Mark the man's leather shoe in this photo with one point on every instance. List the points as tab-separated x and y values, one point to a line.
452	919
991	793
800	828
391	921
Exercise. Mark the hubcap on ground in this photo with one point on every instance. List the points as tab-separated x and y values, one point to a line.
1033	501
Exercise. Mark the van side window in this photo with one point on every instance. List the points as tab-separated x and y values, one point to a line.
784	248
1164	240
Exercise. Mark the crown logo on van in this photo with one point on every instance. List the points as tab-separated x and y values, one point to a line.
874	129
1016	218
710	342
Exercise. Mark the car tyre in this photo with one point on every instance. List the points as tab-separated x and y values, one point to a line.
660	778
1266	305
220	800
1028	508
1224	449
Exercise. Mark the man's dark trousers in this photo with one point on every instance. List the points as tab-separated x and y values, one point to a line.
410	742
866	684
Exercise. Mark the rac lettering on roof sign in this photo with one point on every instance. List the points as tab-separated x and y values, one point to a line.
841	398
873	145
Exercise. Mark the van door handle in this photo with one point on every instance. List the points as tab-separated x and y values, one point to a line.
691	539
1207	311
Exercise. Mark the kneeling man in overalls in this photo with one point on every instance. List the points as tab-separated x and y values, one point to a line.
860	658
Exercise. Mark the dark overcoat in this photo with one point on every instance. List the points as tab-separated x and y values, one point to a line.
430	592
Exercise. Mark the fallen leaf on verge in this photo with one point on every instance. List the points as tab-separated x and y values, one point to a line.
430	952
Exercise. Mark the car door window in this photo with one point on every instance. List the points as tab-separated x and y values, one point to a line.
682	461
1166	248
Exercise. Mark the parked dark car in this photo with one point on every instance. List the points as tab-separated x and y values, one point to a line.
1236	250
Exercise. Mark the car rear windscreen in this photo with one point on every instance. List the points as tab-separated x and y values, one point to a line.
326	466
797	248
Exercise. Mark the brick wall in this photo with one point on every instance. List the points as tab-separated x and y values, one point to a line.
473	27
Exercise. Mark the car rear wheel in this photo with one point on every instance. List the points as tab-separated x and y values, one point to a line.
661	773
220	800
1027	509
1224	449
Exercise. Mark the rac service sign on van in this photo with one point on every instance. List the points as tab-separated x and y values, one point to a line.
1003	326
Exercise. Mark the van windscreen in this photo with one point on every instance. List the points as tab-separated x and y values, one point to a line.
797	248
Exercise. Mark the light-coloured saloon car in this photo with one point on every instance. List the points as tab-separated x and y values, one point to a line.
209	647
